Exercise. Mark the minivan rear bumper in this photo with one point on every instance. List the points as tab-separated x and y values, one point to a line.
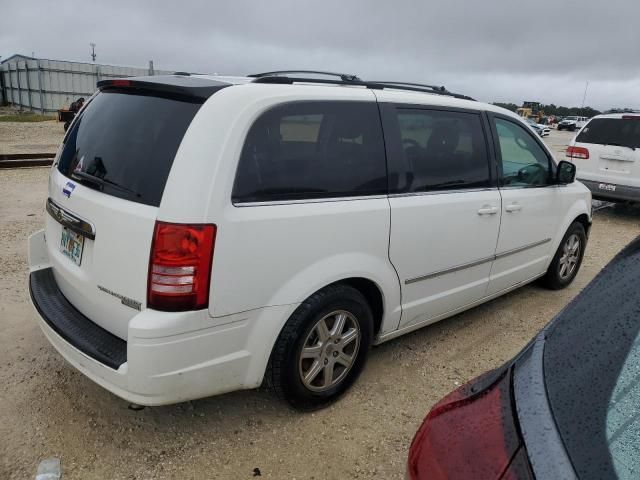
612	191
169	357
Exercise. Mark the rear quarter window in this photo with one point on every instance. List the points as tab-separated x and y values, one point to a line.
306	150
124	143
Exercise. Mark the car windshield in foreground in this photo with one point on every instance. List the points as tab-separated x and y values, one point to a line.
123	144
618	132
592	372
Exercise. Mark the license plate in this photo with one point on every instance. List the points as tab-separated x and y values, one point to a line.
71	245
608	187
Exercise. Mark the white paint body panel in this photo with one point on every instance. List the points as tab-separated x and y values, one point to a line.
430	234
535	218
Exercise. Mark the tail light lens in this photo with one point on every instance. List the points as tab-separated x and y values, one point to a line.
578	152
180	266
469	434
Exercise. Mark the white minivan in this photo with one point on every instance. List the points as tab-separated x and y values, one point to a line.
606	153
206	234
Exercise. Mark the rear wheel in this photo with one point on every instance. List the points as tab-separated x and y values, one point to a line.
568	258
322	348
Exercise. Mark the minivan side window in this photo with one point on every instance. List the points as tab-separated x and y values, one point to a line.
441	150
524	162
306	150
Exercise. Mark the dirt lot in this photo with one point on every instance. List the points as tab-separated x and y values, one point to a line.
558	142
25	137
49	409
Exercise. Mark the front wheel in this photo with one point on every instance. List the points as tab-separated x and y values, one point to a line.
322	348
568	258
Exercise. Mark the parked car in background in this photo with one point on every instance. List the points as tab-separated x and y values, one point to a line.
572	123
607	156
207	233
565	408
542	130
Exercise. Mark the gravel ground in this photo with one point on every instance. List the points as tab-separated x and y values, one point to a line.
50	410
24	137
558	141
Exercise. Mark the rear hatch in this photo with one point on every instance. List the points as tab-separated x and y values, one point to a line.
104	194
612	145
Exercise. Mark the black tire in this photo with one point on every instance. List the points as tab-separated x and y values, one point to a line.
559	128
554	279
285	371
572	128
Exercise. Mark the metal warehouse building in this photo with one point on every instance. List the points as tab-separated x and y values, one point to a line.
46	85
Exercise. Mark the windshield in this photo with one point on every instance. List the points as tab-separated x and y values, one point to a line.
571	118
592	372
611	131
123	144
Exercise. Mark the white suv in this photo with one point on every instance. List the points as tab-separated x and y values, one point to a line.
607	156
205	234
572	123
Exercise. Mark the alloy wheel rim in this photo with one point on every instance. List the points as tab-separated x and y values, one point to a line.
570	257
329	351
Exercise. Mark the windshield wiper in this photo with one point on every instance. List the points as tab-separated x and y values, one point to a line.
101	182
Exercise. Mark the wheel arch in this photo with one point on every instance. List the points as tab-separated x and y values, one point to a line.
577	213
585	221
372	292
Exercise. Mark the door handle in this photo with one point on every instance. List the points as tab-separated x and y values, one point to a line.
488	210
514	207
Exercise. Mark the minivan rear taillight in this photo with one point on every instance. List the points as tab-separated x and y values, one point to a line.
578	152
180	266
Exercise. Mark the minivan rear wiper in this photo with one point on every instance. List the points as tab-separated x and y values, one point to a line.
612	144
101	182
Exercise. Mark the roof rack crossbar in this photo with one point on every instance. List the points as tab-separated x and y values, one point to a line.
345	77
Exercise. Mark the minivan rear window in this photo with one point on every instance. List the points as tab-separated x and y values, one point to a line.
124	143
611	131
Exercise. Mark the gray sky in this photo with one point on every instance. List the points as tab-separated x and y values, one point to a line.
493	50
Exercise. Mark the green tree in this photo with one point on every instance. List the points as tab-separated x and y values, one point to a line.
509	106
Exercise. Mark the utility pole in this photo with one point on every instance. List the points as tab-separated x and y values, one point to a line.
584	97
93	52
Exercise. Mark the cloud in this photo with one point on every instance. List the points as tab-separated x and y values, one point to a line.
495	50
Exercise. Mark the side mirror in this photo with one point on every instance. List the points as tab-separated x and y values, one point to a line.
566	173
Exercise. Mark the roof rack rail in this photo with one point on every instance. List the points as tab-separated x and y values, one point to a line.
408	84
345	77
281	77
419	87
